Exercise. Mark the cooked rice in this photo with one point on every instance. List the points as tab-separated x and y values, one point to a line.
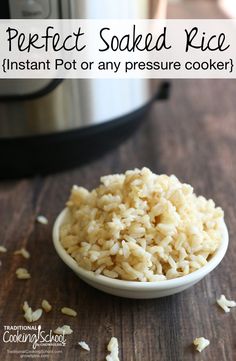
64	330
68	311
22	274
225	304
113	348
139	226
84	345
46	306
3	249
201	343
29	315
42	219
23	252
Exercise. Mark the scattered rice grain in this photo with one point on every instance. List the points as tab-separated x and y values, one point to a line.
23	252
64	330
201	343
22	274
42	219
29	315
225	304
113	348
68	311
46	306
3	249
84	345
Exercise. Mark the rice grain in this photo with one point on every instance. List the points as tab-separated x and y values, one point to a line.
29	315
225	304
42	219
23	252
46	306
3	249
113	348
84	345
201	343
63	330
68	311
22	274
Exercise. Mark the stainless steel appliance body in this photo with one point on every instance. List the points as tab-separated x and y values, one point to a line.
30	109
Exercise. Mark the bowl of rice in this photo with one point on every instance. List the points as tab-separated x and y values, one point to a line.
140	235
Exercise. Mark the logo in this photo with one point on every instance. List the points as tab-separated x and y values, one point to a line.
33	335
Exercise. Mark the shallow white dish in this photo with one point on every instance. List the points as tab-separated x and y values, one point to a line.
131	289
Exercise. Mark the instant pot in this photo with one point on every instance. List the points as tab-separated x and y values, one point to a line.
47	125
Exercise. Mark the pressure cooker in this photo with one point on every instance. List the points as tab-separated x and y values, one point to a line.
49	124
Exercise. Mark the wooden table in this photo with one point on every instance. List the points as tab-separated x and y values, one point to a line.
193	136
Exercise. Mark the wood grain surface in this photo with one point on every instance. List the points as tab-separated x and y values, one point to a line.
193	136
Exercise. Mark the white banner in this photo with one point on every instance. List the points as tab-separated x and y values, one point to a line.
117	49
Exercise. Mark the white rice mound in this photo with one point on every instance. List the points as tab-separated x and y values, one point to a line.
140	226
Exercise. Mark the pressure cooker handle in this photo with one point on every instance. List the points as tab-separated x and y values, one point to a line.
163	91
165	87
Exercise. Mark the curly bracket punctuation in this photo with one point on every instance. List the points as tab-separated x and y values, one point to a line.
4	65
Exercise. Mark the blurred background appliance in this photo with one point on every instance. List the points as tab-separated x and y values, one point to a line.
47	125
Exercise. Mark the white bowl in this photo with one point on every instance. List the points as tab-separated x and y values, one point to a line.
134	289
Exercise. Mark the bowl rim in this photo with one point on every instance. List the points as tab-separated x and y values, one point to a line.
136	285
